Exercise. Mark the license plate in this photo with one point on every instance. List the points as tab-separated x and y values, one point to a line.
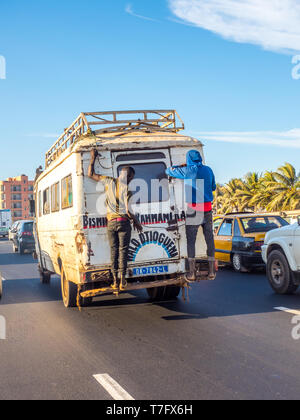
146	271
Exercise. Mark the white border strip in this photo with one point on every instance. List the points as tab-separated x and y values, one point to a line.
112	387
287	310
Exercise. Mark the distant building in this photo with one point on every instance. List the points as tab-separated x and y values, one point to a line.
15	194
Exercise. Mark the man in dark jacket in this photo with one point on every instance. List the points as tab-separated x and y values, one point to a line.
199	186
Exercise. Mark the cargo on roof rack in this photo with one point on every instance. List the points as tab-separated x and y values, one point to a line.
114	122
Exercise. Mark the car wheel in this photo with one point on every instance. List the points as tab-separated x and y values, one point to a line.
279	274
237	264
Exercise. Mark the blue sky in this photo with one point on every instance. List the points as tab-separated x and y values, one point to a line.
227	69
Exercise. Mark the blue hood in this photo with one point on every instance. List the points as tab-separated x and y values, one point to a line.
193	157
193	171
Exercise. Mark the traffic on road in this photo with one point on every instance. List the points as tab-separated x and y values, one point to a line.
233	338
127	283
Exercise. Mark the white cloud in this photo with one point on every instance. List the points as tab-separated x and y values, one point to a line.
290	139
130	11
272	24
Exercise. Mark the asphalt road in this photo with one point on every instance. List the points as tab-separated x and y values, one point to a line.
226	342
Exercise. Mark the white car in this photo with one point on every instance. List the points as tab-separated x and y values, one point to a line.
281	253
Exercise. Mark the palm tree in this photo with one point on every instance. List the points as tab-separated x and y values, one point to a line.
249	189
263	195
285	189
218	198
230	202
274	191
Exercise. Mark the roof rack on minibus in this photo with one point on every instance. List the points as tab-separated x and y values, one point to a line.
115	121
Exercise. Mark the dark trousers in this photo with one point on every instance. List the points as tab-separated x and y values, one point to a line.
193	222
119	235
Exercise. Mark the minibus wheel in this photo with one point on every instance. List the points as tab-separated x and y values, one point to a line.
68	291
165	292
156	293
172	292
84	302
45	277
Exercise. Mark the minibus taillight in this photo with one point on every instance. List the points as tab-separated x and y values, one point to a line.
82	277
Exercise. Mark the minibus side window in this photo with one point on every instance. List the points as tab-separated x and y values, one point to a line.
40	203
55	197
66	192
46	201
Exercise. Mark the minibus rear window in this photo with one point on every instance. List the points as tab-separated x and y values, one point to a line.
150	184
140	156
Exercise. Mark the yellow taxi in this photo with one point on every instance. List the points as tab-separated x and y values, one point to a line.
239	237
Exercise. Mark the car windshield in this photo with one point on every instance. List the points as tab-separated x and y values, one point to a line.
262	223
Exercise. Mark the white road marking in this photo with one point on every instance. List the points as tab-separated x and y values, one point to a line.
287	310
112	387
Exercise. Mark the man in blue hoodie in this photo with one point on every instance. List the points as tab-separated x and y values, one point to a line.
199	183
